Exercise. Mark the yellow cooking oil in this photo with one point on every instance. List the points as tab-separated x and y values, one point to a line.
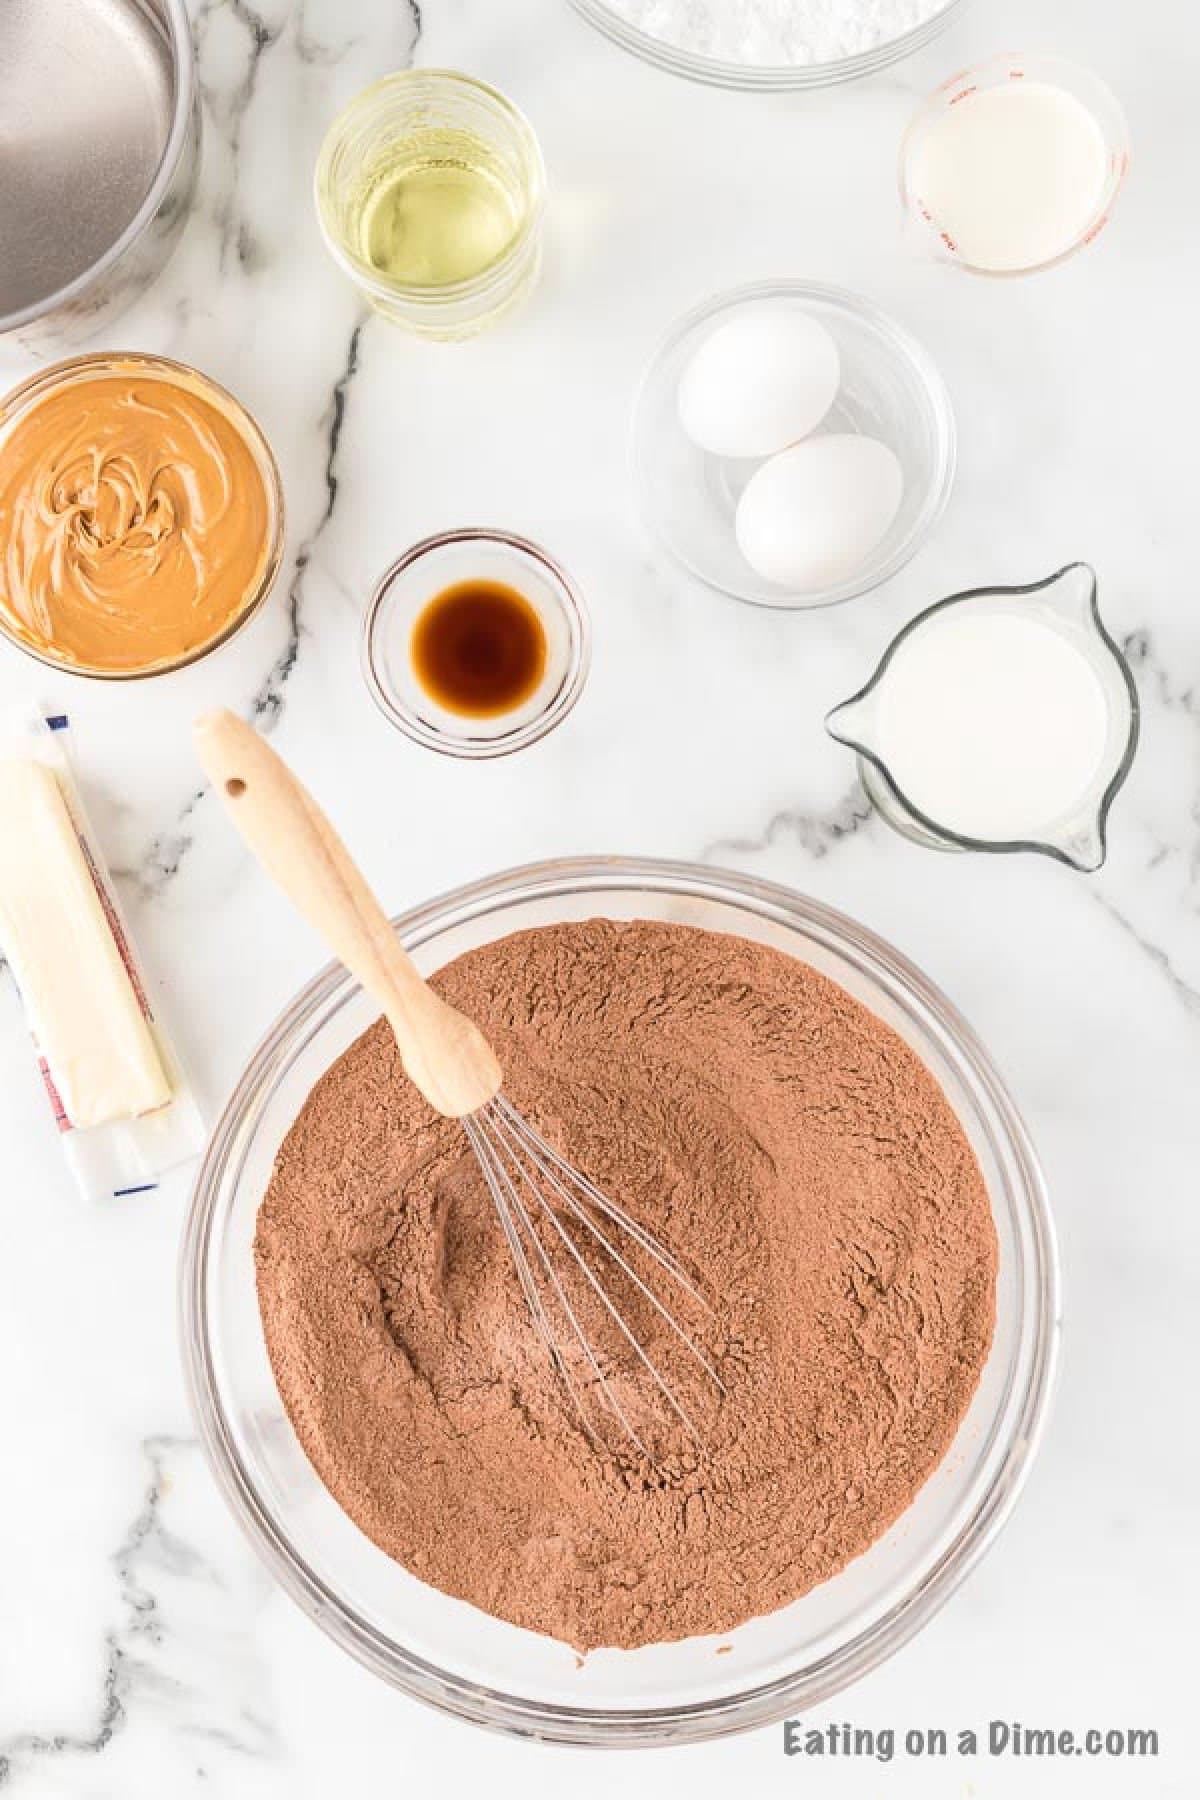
436	208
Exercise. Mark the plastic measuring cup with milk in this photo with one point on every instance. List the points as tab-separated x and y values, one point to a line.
1000	719
1012	166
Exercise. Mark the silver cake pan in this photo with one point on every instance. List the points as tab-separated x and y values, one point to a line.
100	123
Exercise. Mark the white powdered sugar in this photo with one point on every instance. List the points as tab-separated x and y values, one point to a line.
775	33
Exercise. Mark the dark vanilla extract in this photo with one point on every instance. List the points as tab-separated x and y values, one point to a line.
479	649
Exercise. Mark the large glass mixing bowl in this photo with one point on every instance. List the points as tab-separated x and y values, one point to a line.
450	1654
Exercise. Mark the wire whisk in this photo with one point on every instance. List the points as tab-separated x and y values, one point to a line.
566	1236
530	1182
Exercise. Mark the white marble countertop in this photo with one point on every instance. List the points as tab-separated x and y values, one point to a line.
143	1651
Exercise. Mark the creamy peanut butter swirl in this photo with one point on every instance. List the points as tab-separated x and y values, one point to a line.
135	520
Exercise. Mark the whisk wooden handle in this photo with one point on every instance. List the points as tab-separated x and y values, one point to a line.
444	1054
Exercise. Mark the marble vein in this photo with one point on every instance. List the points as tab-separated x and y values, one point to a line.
267	703
227	111
816	833
124	1671
317	53
168	849
165	853
1187	995
1139	649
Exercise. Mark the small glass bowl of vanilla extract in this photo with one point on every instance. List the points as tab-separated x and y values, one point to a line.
476	643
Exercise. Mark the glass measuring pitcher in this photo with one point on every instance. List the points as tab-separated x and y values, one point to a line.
999	719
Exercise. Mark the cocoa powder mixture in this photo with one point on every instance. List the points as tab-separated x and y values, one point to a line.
795	1155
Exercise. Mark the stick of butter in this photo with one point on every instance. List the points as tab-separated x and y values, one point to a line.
65	950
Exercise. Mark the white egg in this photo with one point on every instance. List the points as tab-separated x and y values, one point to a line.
764	379
811	516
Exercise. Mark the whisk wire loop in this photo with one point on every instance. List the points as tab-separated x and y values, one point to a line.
532	1187
538	1152
480	1145
606	1300
537	1143
556	1284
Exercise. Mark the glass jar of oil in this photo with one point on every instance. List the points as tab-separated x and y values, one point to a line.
429	192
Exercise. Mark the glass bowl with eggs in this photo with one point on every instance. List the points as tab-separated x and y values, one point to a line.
792	444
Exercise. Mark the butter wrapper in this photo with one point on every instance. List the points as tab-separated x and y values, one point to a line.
79	953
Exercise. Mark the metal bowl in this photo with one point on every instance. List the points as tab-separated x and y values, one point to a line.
100	123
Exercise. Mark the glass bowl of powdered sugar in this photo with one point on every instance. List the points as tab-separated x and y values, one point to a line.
771	44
